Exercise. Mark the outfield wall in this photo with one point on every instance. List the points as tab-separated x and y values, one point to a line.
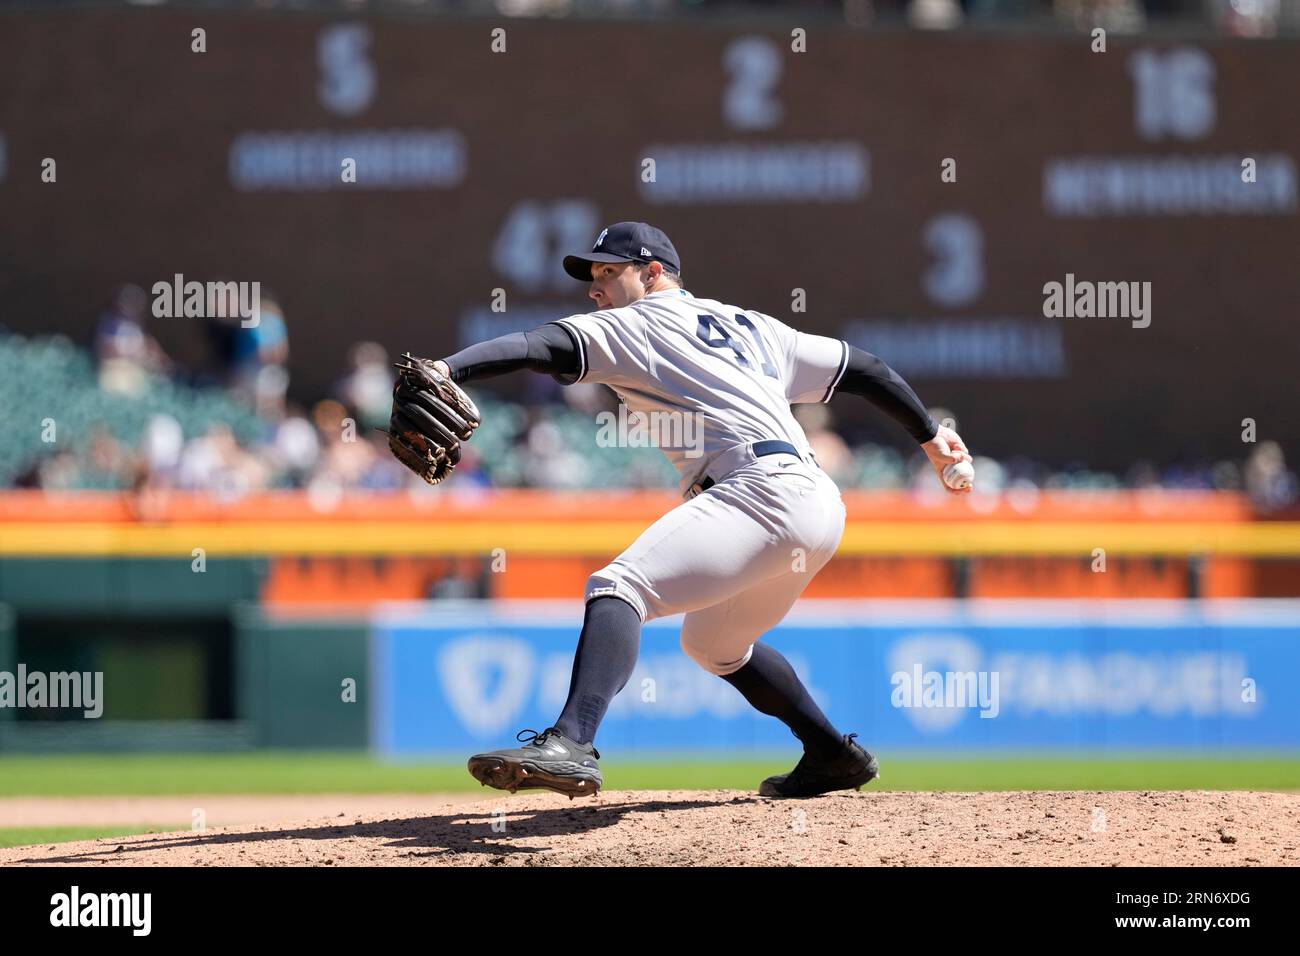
234	625
435	679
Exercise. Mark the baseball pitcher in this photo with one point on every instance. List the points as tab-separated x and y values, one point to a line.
759	519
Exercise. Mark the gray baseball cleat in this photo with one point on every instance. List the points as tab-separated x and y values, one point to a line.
548	761
849	770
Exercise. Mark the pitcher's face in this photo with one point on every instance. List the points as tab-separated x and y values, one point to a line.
616	284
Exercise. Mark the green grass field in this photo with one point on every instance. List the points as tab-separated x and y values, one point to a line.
38	836
254	773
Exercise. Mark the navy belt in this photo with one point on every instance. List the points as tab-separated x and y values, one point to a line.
761	450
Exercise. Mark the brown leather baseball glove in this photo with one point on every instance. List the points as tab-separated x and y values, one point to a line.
431	416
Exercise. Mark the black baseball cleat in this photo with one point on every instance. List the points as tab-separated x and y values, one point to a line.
847	771
549	761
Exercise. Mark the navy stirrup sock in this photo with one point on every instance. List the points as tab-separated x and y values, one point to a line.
606	655
771	686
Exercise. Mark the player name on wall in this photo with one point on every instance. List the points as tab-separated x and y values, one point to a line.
310	160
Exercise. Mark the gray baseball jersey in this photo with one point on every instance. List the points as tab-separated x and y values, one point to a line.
734	558
705	376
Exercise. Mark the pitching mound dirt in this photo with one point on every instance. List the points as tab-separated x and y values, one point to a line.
730	828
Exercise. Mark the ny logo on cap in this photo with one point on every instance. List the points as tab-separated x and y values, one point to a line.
600	238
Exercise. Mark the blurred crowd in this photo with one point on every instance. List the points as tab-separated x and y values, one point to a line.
1264	475
226	426
127	416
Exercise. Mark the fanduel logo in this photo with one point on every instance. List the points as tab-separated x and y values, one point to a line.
487	680
937	679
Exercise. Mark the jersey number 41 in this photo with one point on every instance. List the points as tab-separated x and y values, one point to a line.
713	333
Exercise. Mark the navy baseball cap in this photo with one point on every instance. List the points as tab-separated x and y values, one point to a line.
625	242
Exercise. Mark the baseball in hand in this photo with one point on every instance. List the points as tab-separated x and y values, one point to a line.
959	475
